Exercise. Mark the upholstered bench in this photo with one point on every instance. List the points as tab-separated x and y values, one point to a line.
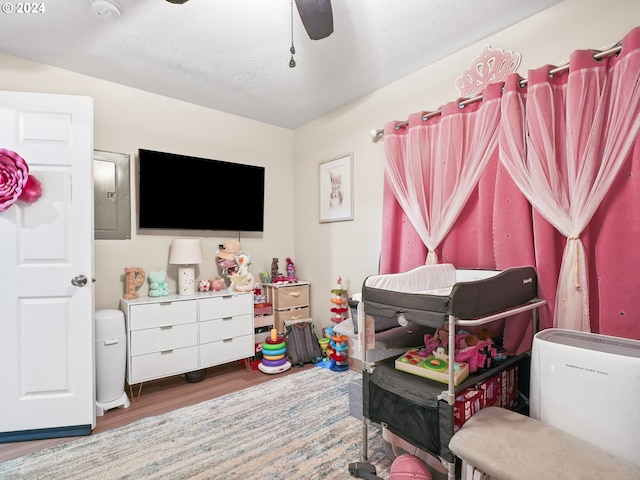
509	446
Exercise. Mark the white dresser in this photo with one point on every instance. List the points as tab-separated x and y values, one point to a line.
177	334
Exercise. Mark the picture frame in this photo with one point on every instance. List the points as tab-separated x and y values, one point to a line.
335	178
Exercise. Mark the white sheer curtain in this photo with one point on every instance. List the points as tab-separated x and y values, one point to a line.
563	139
433	166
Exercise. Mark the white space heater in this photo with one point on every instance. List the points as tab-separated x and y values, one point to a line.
588	385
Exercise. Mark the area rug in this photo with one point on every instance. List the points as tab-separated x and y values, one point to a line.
290	428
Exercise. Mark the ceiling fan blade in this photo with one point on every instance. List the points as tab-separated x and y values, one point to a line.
317	17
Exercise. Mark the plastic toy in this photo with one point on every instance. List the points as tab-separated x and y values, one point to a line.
291	271
339	353
274	354
339	300
409	466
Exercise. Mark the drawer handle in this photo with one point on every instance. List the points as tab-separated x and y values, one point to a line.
294	294
166	327
166	352
226	340
165	303
227	318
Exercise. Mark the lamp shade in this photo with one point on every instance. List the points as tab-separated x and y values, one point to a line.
185	251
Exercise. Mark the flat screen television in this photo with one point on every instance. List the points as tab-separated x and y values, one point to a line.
179	192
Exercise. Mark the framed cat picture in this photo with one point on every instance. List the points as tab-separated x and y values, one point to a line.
336	189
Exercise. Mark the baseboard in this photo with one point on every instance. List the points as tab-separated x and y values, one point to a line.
45	433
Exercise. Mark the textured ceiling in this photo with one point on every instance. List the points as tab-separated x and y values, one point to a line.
233	55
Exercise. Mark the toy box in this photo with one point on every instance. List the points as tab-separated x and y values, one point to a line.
500	390
467	403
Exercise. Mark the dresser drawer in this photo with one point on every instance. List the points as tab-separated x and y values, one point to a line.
262	321
223	351
162	364
225	328
159	339
295	314
162	314
225	306
290	297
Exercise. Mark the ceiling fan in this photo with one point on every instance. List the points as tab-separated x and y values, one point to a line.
316	16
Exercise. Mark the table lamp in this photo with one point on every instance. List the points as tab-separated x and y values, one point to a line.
185	252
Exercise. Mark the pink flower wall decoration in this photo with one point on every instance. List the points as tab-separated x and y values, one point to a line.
32	190
14	173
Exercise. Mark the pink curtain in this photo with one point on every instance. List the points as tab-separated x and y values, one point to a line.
564	139
433	166
492	230
595	175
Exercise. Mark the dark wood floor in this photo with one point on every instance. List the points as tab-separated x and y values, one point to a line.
158	397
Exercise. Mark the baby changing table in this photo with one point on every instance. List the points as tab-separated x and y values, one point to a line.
418	409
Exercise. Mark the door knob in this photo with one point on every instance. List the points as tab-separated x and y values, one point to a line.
79	281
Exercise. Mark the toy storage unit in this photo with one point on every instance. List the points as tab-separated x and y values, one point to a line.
290	302
111	360
421	410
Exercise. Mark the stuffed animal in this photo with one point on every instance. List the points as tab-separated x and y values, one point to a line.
242	281
470	340
439	338
157	284
217	284
225	256
204	285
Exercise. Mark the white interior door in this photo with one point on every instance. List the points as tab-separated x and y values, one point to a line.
46	322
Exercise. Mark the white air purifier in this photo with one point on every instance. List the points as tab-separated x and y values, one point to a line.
589	386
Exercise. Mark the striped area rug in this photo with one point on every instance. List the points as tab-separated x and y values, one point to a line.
290	428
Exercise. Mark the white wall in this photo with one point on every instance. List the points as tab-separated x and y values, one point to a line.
127	119
351	249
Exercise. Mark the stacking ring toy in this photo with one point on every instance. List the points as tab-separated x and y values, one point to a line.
274	346
273	357
274	363
280	351
272	341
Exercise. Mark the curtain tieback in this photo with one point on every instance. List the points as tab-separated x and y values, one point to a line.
576	280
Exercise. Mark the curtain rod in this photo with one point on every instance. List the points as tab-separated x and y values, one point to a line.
375	134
